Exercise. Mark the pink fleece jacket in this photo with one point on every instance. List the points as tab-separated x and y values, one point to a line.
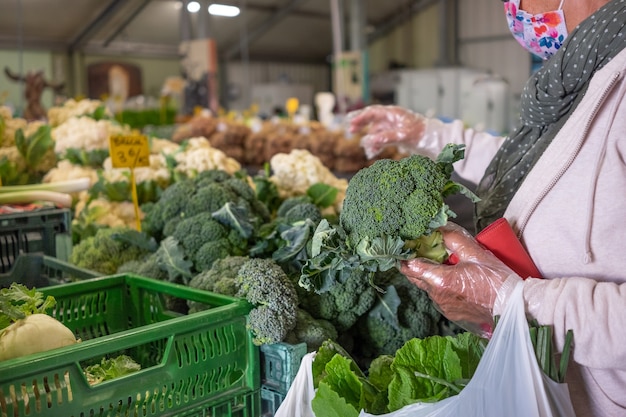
570	213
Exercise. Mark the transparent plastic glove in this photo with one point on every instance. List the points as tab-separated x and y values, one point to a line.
465	290
385	126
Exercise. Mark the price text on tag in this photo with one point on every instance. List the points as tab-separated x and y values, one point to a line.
129	151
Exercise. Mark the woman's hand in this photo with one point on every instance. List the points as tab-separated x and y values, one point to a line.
465	291
387	125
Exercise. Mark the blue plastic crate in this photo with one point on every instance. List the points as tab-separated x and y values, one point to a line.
279	365
270	401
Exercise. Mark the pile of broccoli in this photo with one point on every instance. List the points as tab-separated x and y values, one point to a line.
107	250
401	313
197	222
391	212
264	284
261	281
208	192
344	303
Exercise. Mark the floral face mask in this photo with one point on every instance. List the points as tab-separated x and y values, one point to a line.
541	34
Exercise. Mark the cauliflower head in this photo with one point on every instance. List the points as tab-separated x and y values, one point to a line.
294	172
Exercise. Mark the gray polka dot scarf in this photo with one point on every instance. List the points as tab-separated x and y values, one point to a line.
548	98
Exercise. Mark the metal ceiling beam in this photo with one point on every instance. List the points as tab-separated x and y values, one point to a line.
9	42
134	49
88	31
260	29
126	22
257	7
391	22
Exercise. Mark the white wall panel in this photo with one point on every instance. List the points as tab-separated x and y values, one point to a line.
242	77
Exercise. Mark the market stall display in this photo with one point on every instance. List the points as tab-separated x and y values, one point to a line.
290	222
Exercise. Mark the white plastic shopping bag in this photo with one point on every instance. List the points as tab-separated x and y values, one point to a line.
297	402
508	380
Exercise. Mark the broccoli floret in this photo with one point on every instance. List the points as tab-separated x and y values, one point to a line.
402	199
267	325
265	285
210	176
404	312
301	212
209	198
168	209
290	203
344	302
221	278
148	266
210	252
195	231
311	331
105	252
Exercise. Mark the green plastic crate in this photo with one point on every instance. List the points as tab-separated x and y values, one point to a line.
46	231
244	405
190	363
38	271
279	365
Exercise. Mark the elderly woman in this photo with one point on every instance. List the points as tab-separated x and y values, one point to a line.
559	179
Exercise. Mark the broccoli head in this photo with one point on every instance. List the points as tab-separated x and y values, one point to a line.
311	331
344	302
147	266
401	198
303	211
402	313
106	251
205	193
265	285
221	278
193	232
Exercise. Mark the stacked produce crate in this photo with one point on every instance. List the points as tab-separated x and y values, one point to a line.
279	365
201	364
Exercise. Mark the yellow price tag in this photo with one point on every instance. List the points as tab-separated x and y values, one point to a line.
129	151
292	106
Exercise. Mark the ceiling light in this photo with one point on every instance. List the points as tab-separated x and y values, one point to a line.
223	10
193	7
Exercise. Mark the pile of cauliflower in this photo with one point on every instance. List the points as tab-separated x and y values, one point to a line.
198	155
294	172
85	133
73	108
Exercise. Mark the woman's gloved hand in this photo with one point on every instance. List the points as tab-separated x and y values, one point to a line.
387	125
465	291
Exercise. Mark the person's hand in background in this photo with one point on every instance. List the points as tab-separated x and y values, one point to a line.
467	288
384	126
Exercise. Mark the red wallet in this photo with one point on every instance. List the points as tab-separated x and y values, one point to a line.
501	240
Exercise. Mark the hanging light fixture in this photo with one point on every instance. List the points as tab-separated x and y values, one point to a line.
216	9
193	7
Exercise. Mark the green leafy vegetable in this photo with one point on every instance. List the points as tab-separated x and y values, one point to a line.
111	368
428	369
18	301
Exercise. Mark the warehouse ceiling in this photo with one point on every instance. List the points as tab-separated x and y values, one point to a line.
290	30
